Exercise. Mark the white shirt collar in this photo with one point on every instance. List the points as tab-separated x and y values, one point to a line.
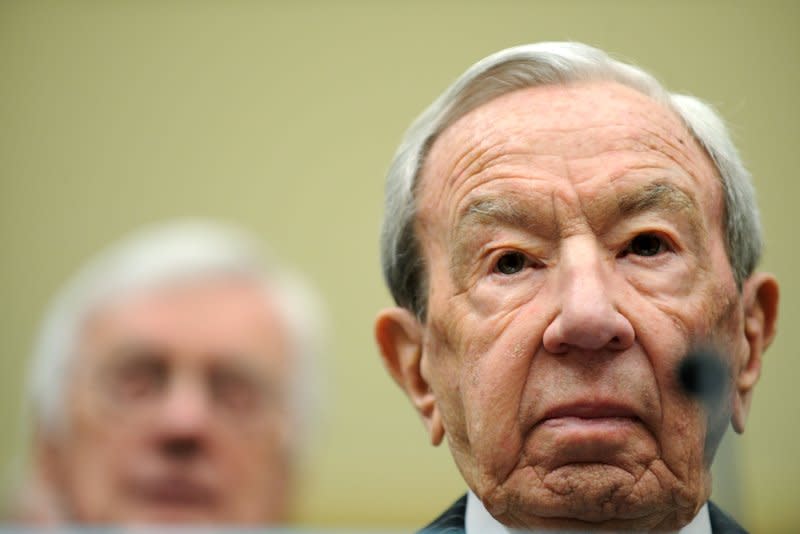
479	521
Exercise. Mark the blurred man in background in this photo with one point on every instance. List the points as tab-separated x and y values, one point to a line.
172	382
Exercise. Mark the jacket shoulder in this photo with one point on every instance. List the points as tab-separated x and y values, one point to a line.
452	521
722	523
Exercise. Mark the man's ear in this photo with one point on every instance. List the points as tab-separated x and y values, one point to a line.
399	335
760	294
44	481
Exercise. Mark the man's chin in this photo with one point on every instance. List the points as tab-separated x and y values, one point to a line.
590	496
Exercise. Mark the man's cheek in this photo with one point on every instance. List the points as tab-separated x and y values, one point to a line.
482	362
682	438
491	301
492	396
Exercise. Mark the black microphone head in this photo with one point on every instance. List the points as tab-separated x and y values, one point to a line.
704	375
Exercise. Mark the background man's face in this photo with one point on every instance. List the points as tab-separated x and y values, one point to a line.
573	239
177	409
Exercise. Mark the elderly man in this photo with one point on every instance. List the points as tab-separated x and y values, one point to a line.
171	382
560	233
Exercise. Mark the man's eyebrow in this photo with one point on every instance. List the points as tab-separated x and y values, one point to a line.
658	196
506	210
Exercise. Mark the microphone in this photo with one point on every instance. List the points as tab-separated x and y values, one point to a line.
703	374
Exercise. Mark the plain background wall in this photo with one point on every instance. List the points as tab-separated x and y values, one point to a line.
283	116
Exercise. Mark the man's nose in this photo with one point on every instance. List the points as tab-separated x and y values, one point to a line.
183	419
588	317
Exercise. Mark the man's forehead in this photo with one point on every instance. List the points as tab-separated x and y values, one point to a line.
218	297
579	131
224	316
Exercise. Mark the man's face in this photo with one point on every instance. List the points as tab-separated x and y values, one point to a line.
574	246
177	410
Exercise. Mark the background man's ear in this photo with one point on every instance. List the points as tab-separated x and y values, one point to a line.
42	488
399	335
760	293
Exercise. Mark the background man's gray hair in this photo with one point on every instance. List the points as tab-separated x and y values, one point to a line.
172	253
540	64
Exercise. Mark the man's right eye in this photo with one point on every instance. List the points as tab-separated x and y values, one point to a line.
139	380
511	263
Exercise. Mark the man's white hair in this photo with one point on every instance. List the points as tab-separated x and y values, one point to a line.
171	253
550	63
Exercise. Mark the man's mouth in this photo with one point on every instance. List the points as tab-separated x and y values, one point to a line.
590	417
589	411
590	432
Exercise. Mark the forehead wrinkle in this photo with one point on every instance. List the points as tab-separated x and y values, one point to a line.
498	163
680	147
465	150
478	157
451	164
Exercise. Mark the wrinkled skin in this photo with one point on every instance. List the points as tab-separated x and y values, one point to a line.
177	411
574	249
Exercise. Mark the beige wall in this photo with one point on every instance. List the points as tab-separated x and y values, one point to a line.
283	116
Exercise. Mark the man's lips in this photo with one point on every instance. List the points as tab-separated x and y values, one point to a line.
590	432
590	412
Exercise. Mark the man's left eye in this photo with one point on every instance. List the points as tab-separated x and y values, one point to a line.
646	245
511	263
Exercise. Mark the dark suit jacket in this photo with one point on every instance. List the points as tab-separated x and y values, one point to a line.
453	519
